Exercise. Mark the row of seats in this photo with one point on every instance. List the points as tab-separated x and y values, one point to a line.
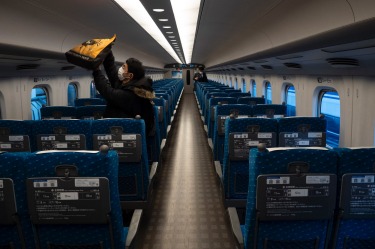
62	199
243	134
134	172
234	133
139	154
308	198
127	136
99	100
259	110
70	112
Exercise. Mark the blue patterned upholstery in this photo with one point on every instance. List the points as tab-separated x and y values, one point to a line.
58	112
89	101
90	111
275	161
251	100
207	97
13	165
261	110
303	125
16	127
217	139
236	173
153	142
238	94
169	109
89	165
355	160
232	90
160	102
210	112
134	176
72	127
292	124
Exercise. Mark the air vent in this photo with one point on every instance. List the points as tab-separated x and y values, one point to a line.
288	57
27	66
241	68
267	67
252	68
261	61
343	62
67	68
293	65
233	69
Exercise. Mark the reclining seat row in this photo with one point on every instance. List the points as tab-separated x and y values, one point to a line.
309	198
242	134
126	136
291	198
71	200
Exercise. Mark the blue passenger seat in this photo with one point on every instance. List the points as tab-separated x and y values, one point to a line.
128	138
58	112
302	132
269	111
60	135
90	111
355	226
291	200
241	134
89	101
15	226
82	190
15	135
210	117
251	100
221	113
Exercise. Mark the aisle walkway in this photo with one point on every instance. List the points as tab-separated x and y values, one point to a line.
187	212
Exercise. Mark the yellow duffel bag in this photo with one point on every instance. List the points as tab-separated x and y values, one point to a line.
91	53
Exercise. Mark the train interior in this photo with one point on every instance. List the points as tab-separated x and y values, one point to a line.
274	151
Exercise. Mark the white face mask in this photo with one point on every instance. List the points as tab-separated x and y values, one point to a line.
120	73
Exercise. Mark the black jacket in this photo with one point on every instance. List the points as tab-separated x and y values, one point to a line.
125	101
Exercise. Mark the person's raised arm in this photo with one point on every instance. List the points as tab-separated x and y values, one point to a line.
111	69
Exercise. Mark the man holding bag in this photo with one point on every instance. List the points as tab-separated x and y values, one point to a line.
127	91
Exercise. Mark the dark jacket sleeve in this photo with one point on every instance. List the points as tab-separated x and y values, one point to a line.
118	97
111	69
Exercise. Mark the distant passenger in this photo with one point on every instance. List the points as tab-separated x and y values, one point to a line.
127	91
201	75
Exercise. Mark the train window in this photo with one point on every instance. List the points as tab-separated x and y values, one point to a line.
243	85
268	93
290	98
72	93
330	107
92	90
253	88
230	82
236	83
39	98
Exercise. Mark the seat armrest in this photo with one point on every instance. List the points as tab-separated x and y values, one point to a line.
133	228
154	168
219	172
236	227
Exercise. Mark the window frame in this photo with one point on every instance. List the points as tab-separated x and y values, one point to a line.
286	95
321	94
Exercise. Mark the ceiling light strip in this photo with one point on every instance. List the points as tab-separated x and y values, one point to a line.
138	12
186	16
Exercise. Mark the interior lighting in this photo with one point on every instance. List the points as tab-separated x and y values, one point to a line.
163	20
138	12
186	16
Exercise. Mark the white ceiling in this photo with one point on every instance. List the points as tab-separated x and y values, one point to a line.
229	33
